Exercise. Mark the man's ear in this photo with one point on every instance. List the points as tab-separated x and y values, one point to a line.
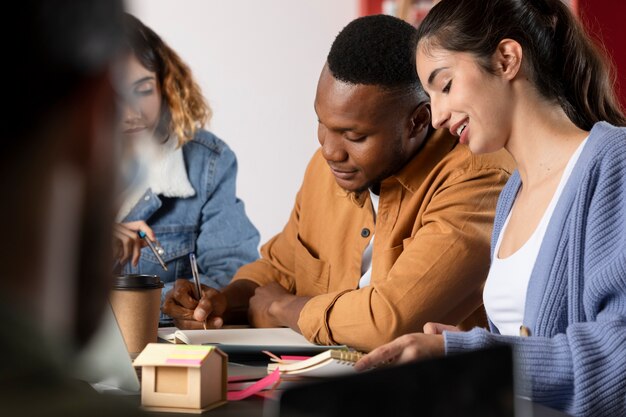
420	121
507	59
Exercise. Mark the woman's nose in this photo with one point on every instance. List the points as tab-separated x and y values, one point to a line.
129	111
440	116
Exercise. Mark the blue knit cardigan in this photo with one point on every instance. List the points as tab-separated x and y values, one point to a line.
575	358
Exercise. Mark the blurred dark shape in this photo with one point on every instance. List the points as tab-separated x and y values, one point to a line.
473	384
56	171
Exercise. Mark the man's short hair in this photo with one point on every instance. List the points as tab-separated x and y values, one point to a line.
376	50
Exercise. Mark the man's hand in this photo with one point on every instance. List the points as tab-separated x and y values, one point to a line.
407	348
274	306
127	244
189	313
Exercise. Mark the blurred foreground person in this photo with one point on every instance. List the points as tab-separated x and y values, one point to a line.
55	164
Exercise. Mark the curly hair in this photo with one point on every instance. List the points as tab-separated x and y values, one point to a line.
376	50
183	108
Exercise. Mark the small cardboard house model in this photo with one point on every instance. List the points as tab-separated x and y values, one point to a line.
182	378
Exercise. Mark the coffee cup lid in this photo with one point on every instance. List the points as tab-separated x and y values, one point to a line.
137	281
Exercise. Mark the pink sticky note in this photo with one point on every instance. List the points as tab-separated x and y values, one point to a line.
269	380
183	361
294	358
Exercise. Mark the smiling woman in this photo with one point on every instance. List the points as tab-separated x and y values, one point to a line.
186	198
524	76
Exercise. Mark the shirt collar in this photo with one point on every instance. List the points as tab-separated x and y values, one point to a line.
438	144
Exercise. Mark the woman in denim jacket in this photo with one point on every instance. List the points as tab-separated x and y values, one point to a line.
185	198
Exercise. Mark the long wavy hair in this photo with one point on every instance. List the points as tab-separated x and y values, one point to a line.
560	58
183	108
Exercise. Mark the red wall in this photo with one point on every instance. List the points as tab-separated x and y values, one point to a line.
369	7
605	19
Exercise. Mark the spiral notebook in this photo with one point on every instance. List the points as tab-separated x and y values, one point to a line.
329	363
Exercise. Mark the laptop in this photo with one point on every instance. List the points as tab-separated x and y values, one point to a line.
105	363
472	384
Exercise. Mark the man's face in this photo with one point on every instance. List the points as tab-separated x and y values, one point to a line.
364	130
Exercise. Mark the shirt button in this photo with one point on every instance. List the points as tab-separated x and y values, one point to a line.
524	331
147	198
365	232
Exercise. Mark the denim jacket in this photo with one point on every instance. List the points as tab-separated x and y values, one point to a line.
212	223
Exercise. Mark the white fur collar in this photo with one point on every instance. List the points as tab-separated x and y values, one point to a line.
167	174
163	171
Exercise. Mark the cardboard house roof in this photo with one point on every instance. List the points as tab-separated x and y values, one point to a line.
165	354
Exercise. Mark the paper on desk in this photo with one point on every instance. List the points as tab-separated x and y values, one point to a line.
282	336
278	340
167	333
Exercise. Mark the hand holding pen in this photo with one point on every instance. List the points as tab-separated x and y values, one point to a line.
128	243
190	311
196	279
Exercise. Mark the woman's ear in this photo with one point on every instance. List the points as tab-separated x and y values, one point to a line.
420	120
507	59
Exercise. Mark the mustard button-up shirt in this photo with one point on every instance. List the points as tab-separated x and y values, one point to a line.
431	252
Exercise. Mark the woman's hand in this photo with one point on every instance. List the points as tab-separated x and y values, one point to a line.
408	348
438	328
127	244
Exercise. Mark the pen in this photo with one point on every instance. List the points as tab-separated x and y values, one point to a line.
144	236
196	280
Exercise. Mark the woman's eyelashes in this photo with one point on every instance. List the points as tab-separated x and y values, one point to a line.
447	87
144	92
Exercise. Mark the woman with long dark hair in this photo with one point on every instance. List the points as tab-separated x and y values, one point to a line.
523	75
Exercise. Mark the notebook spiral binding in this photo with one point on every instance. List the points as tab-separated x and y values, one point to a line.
347	356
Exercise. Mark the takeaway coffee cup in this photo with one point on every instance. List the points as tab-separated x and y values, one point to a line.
136	301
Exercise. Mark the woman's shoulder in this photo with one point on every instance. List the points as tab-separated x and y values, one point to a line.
606	144
208	141
600	171
604	134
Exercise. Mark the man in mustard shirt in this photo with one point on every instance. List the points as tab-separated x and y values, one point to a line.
392	224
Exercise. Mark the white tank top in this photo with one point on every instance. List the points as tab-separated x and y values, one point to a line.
366	261
505	289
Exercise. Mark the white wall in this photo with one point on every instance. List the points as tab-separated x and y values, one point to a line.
257	63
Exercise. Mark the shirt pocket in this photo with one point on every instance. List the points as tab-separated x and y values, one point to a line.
177	243
312	274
